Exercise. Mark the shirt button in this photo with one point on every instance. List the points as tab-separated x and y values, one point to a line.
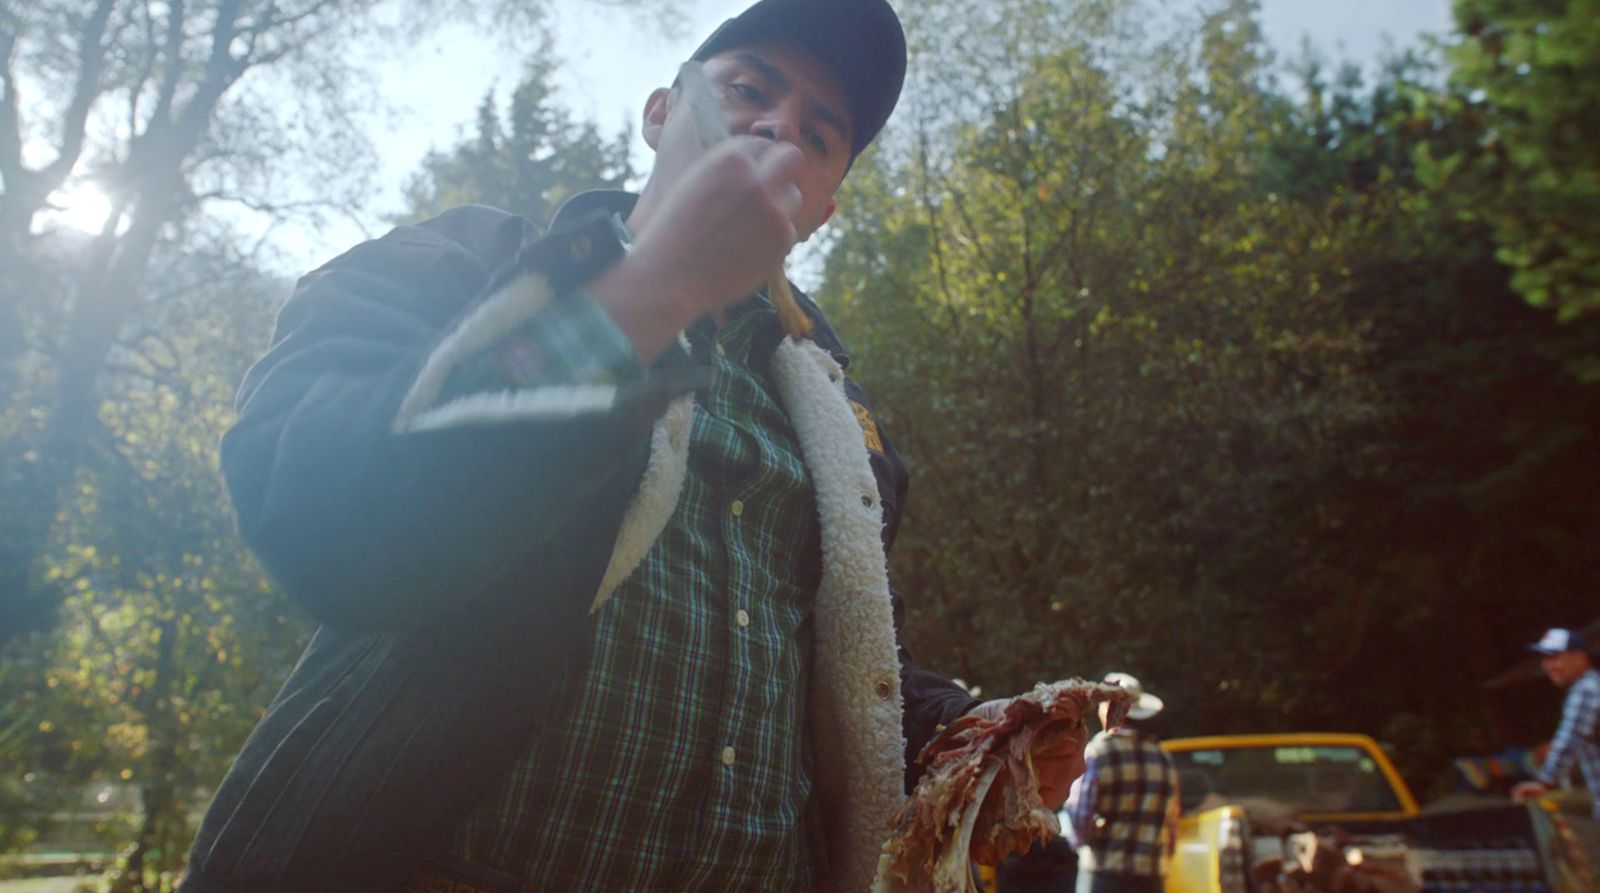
737	508
727	756
721	351
742	618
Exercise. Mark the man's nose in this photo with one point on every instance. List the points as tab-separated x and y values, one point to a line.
777	126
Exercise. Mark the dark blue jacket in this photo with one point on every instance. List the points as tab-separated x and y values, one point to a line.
452	570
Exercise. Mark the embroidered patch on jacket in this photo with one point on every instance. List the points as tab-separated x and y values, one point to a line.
869	427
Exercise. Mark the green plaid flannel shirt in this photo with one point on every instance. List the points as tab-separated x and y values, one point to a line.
683	761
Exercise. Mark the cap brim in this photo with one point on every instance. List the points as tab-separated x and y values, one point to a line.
1147	706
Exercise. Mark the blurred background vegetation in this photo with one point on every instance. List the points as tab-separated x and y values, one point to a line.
1274	382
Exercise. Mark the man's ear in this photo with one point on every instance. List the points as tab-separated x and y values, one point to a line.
655	115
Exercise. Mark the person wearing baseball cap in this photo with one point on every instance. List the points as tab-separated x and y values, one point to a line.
598	542
1568	663
859	41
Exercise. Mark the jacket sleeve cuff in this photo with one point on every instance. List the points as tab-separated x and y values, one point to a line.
523	354
571	342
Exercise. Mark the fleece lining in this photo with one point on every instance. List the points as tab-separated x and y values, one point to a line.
856	710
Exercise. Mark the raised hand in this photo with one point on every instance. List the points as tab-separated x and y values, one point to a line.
716	218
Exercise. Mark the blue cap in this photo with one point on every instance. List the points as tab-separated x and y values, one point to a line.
1558	640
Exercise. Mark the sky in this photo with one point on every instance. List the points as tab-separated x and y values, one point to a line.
611	59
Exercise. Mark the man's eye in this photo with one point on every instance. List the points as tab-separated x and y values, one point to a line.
818	142
745	92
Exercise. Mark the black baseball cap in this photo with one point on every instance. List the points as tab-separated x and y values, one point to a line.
861	41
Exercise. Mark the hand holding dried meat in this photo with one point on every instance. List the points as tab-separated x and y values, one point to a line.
953	815
1056	757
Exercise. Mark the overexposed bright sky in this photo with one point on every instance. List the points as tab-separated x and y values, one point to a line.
611	58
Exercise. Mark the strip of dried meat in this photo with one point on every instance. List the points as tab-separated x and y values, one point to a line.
934	835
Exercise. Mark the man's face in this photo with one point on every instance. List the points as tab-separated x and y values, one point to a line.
773	92
1564	668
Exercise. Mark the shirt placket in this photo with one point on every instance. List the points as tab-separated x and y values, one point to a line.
753	621
737	523
728	615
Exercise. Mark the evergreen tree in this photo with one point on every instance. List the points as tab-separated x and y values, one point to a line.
527	162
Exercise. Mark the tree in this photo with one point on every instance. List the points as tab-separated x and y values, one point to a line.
1115	389
1473	531
144	642
530	163
1527	85
150	90
172	110
1198	379
171	639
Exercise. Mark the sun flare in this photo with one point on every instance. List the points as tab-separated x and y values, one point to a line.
81	207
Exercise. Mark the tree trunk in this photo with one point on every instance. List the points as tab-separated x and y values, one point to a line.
161	806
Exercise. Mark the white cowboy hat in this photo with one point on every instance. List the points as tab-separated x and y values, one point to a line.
1146	705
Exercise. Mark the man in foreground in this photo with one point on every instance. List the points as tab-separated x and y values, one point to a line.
599	554
1568	663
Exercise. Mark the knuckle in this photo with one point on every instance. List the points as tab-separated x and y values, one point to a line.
787	157
737	166
776	218
733	161
780	226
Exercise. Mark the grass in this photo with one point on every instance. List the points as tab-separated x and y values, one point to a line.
51	884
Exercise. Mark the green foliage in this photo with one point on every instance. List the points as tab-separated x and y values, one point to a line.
139	640
173	112
13	721
1527	85
1195	379
16	722
1097	331
153	641
171	640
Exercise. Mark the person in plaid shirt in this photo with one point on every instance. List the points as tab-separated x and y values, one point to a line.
1122	813
1568	663
599	547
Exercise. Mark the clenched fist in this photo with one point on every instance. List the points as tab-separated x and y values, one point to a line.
718	216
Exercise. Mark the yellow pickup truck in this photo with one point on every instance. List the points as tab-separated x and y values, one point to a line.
1244	795
1245	798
